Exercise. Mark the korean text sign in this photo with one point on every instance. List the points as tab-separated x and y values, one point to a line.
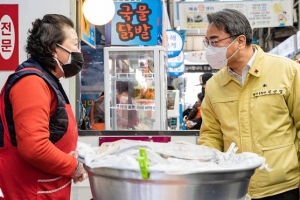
175	43
264	13
87	30
137	23
9	36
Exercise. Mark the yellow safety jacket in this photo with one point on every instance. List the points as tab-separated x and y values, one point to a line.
261	116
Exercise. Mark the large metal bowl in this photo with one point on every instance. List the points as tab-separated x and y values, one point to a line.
118	184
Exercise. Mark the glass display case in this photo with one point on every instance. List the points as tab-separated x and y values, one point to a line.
135	84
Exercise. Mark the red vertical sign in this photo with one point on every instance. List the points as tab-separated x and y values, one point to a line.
9	36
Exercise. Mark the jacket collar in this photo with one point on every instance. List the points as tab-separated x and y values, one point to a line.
255	69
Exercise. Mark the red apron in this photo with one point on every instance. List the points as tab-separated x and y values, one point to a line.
21	181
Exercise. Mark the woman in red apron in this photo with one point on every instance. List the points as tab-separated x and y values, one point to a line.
38	130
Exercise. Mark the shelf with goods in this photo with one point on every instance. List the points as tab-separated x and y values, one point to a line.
131	76
140	107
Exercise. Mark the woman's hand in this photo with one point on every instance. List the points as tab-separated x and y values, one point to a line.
80	174
190	124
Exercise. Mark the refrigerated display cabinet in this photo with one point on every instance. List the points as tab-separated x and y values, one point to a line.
135	81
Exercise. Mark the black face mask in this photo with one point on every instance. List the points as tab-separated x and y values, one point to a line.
74	65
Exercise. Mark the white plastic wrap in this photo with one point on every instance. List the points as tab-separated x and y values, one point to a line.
171	158
185	150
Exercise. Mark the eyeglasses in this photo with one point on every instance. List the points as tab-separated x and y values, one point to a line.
64	48
213	43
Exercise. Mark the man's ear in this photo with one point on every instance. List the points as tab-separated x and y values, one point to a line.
242	41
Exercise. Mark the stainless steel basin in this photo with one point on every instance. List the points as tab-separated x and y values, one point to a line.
118	184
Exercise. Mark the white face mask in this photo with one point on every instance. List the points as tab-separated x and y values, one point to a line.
216	56
59	65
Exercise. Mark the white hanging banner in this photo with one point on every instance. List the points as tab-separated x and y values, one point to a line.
176	61
175	43
261	14
274	51
178	71
288	47
196	56
298	41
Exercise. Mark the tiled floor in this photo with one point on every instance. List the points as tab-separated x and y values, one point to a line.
81	191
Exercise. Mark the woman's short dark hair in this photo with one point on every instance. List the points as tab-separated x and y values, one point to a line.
233	22
44	36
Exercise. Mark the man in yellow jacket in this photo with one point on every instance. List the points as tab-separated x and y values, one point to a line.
253	101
